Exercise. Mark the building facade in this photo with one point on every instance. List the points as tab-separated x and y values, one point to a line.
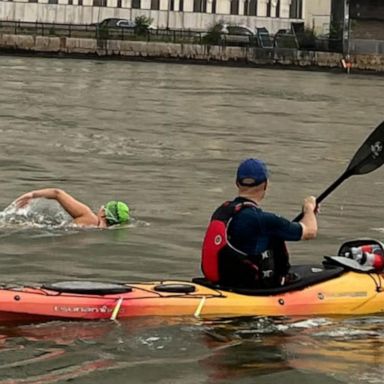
360	23
317	15
186	14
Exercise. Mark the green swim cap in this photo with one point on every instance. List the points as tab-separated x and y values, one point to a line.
116	212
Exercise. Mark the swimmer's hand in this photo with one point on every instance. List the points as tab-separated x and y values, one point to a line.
24	200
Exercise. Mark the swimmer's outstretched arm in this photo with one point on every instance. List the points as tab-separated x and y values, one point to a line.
74	207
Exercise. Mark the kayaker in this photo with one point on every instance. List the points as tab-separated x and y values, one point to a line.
244	246
112	213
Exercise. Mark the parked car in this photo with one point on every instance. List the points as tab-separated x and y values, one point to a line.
237	35
228	34
264	39
118	23
110	23
286	38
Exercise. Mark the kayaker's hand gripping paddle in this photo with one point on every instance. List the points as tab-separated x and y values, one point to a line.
368	157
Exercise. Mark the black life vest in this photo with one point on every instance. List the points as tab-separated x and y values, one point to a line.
223	263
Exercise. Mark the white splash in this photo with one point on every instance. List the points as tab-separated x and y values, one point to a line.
40	213
305	324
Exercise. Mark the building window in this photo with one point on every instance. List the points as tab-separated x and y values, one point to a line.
70	2
32	1
269	8
172	5
53	2
181	5
213	6
250	7
296	9
119	3
234	7
99	3
155	4
79	2
136	4
200	6
278	8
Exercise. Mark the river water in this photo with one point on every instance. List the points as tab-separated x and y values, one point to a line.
168	138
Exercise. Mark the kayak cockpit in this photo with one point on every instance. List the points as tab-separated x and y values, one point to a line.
305	276
361	255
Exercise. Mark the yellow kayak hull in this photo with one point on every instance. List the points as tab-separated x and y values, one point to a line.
351	293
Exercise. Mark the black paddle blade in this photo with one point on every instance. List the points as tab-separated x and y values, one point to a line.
370	155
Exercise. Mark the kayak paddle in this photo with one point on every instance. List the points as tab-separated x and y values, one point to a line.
368	157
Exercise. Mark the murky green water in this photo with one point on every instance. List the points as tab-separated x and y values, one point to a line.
168	138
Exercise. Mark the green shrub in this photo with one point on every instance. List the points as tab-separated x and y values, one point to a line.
142	24
213	36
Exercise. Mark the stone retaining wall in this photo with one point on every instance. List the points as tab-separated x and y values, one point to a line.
187	52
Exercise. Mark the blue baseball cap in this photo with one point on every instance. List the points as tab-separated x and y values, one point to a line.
252	169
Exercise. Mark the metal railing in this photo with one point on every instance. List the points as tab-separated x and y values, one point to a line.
47	29
100	32
94	31
373	47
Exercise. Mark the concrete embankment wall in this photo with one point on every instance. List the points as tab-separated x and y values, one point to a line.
183	52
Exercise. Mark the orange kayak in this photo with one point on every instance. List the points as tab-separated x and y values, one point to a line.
317	291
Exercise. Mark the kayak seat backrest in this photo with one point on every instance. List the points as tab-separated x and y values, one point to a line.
87	287
307	275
